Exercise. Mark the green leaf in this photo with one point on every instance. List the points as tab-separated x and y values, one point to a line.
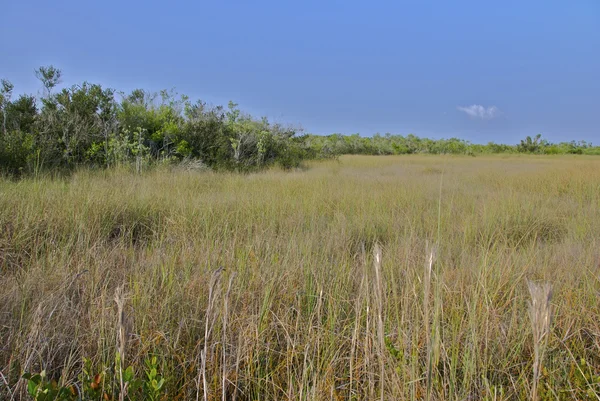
135	385
128	374
32	388
160	384
37	379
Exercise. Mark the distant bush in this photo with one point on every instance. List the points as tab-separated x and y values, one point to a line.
388	144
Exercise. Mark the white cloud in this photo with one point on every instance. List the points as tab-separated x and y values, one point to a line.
481	112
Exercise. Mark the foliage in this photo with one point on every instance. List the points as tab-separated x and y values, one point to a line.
388	144
532	145
41	389
88	125
100	386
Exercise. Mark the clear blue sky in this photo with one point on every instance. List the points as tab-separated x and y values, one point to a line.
480	70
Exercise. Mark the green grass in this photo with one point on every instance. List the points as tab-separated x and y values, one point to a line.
302	316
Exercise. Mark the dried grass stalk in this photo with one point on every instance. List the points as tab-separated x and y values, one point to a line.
540	312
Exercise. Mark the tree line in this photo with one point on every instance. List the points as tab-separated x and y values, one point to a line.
88	125
388	144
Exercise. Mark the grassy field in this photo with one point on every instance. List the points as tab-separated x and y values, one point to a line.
394	278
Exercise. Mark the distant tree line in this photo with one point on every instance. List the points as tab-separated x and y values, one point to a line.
388	144
88	125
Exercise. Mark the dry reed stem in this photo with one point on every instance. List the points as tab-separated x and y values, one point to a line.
208	326
380	332
121	338
224	341
6	384
428	337
540	311
355	333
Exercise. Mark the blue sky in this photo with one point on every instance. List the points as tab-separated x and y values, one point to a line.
478	70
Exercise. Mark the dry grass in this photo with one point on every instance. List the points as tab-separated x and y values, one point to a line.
329	299
540	313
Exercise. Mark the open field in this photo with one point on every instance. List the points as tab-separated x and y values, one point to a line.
302	309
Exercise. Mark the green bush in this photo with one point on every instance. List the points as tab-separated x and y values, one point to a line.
86	125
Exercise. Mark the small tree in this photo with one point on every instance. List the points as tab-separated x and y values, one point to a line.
20	114
50	77
6	88
532	145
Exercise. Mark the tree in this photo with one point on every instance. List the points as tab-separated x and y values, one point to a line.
86	114
21	113
50	77
73	120
532	145
6	88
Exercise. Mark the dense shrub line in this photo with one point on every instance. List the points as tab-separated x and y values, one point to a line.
90	125
389	144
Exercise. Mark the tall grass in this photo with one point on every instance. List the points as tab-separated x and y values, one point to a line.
330	300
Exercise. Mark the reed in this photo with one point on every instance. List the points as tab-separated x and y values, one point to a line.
540	313
338	293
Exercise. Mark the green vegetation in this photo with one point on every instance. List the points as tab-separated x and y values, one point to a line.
111	385
396	278
88	125
337	144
